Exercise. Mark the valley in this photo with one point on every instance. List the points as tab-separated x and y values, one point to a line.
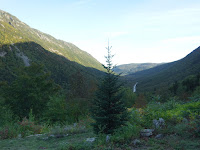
54	95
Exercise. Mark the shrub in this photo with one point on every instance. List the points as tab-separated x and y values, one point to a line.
9	129
126	133
129	97
9	132
77	128
27	127
56	110
76	109
171	111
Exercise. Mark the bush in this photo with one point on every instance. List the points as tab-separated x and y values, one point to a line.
126	133
171	111
28	127
56	110
129	97
76	109
9	131
7	116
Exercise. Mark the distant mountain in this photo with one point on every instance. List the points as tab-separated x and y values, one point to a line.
126	69
20	45
162	76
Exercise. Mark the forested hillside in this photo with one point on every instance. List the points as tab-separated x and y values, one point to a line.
69	66
161	77
134	67
12	30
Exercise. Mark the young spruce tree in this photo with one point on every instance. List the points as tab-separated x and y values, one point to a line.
109	111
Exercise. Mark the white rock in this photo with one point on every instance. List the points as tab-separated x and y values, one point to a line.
19	136
159	136
159	123
136	142
90	139
2	54
146	132
107	138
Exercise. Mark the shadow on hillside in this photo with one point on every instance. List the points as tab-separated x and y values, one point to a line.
64	72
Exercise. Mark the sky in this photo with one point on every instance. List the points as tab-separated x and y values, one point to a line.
139	31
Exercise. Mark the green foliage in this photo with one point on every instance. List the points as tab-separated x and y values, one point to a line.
196	93
27	127
61	131
129	97
9	131
6	114
126	133
108	110
76	109
174	87
31	90
140	101
13	128
135	116
191	82
171	111
56	110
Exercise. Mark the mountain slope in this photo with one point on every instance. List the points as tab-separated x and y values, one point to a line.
20	46
79	80
12	30
162	76
134	67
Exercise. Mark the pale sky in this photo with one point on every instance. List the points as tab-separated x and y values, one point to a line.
139	30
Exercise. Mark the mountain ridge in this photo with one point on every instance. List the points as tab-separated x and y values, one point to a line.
24	33
76	71
161	77
126	69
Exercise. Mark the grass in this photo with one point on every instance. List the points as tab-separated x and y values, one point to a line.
77	141
36	143
171	142
174	142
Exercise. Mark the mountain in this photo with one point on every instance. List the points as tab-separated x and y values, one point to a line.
12	30
21	45
161	77
126	69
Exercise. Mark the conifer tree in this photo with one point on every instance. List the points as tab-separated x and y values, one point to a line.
109	111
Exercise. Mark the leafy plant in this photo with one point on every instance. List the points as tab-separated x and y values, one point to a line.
9	131
28	127
56	110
